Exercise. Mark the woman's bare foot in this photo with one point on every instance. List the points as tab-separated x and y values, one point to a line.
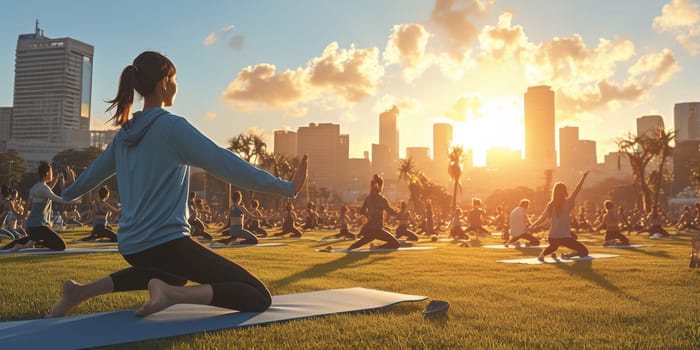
70	298
159	298
300	176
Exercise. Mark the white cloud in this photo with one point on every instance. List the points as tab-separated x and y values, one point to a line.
213	37
682	18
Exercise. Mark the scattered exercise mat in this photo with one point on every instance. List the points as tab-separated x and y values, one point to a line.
67	251
218	246
631	246
345	250
550	260
513	246
118	327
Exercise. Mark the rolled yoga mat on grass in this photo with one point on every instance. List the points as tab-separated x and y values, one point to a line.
119	327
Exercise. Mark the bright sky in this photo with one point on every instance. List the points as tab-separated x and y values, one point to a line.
266	65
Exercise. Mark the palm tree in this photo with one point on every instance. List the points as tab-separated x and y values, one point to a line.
662	149
454	169
415	178
638	150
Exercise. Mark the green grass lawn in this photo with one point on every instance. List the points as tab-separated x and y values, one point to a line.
644	299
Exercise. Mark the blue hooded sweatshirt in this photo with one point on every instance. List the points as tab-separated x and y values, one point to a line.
152	155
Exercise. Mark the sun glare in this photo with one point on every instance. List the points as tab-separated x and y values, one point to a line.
498	123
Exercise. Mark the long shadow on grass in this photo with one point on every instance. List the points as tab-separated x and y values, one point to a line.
322	269
584	269
660	254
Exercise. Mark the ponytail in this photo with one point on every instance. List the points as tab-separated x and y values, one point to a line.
143	75
125	96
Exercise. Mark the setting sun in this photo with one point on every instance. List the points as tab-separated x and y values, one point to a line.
496	123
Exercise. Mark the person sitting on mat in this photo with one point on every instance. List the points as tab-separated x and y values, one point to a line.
405	218
558	211
611	223
475	222
151	156
197	226
654	222
373	208
254	224
98	214
289	222
235	222
520	224
343	220
39	219
457	230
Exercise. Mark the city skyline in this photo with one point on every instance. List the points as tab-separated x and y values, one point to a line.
463	62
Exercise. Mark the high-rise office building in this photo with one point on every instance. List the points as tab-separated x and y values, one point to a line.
686	155
389	132
442	140
52	95
420	156
568	140
102	138
381	160
539	127
286	143
5	127
686	121
327	148
649	125
586	154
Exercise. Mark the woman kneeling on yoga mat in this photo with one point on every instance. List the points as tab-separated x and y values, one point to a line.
152	155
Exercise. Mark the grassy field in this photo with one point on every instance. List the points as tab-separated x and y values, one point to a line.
644	299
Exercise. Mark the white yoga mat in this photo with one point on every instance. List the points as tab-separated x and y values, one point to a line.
631	246
118	327
220	246
67	251
345	250
549	260
512	246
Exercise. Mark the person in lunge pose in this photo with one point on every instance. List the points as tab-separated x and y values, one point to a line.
520	225
98	214
558	211
373	207
611	223
235	222
39	219
151	156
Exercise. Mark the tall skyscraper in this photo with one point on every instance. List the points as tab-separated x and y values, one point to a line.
686	121
420	156
389	132
539	127
286	143
586	154
323	143
649	125
52	95
5	127
568	140
442	139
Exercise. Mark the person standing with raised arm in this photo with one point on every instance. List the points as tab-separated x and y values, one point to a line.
151	156
558	211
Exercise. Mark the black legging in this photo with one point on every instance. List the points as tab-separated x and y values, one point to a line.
571	243
42	235
611	235
100	231
184	259
370	232
402	230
